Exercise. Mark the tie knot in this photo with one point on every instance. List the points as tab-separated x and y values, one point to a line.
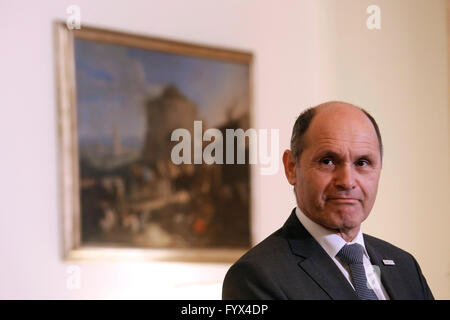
351	253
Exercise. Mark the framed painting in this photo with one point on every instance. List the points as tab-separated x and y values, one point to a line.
120	98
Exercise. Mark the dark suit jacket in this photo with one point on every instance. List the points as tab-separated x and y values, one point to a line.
291	264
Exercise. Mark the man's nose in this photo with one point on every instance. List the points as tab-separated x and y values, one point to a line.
345	177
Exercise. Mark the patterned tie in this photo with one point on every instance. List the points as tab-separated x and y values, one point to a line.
352	254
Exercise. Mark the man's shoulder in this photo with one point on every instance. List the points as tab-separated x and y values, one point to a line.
260	273
268	249
272	256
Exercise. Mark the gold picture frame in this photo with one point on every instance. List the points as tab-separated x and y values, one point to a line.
74	247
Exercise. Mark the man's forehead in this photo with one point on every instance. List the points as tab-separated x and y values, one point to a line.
342	119
350	134
339	122
343	146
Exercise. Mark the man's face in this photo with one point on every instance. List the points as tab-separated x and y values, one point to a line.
336	177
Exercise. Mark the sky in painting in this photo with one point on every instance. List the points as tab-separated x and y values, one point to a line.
113	81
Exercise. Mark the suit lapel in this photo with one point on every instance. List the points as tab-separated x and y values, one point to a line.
390	277
316	262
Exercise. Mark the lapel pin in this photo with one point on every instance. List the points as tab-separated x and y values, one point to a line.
389	262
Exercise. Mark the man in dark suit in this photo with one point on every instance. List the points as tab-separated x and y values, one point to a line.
320	252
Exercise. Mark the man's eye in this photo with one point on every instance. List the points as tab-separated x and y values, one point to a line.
326	161
362	163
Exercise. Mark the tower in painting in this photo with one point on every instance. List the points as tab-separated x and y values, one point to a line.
169	111
117	142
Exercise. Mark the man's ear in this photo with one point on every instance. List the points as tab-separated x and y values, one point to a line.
290	167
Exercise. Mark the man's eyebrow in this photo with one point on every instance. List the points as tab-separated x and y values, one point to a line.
334	154
367	156
328	153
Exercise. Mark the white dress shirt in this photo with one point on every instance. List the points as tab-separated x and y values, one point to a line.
332	243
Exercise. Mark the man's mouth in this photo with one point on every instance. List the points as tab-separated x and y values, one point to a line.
343	200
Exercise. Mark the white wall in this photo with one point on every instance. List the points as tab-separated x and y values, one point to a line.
306	52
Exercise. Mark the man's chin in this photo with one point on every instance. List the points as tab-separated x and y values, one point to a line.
347	220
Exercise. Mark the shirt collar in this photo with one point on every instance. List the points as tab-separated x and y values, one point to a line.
331	242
